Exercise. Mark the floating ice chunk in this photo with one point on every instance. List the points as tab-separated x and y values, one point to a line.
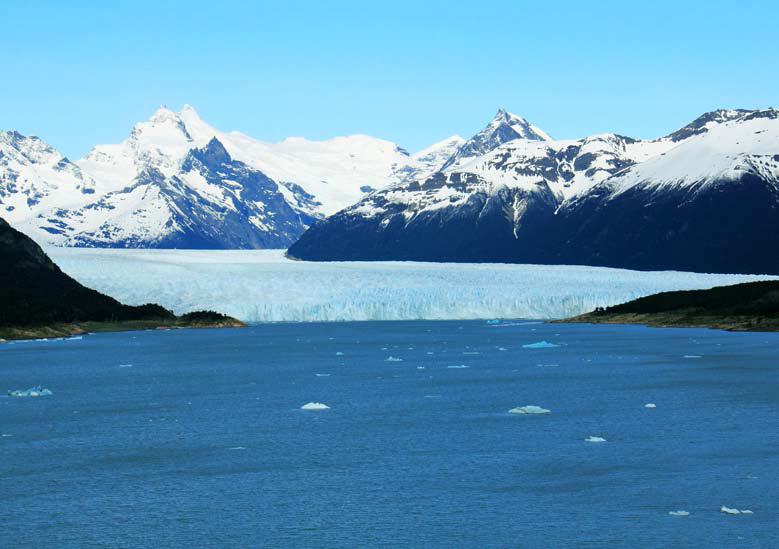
595	439
540	345
74	338
493	321
125	365
430	352
733	511
339	353
458	366
4	435
394	359
31	392
315	406
420	367
679	513
322	375
693	356
529	409
237	448
502	349
650	405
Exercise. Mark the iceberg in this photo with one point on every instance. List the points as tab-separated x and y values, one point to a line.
733	511
529	409
679	513
300	291
458	366
37	391
650	405
315	406
540	345
394	359
594	439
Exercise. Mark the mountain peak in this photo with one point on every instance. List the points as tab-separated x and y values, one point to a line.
503	127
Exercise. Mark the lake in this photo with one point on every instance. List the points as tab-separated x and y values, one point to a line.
196	437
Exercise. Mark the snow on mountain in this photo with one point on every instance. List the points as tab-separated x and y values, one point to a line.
208	200
533	199
727	150
437	154
35	177
504	127
140	192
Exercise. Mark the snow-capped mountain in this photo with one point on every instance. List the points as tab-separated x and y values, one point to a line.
35	177
603	200
147	191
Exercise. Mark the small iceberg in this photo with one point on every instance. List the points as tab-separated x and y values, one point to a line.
693	356
679	513
315	406
540	345
732	511
125	365
650	405
339	353
394	359
502	349
420	367
458	366
529	409
31	392
493	321
322	375
237	448
594	439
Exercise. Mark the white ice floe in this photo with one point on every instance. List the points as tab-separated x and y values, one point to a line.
693	356
226	281
502	349
679	513
394	359
339	353
595	439
458	366
125	365
315	406
31	392
529	409
733	511
650	405
237	448
420	367
322	375
540	345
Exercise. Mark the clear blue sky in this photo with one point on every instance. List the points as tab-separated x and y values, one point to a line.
79	73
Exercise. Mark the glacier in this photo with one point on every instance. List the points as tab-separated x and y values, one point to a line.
265	286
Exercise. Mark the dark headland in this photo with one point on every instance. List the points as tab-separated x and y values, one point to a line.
38	300
752	306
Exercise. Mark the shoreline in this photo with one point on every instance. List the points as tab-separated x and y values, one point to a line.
70	329
662	320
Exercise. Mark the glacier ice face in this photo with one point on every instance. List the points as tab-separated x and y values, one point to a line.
264	286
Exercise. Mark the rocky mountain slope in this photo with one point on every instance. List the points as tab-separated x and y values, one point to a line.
702	198
38	299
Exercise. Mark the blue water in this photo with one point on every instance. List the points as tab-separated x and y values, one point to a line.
202	443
